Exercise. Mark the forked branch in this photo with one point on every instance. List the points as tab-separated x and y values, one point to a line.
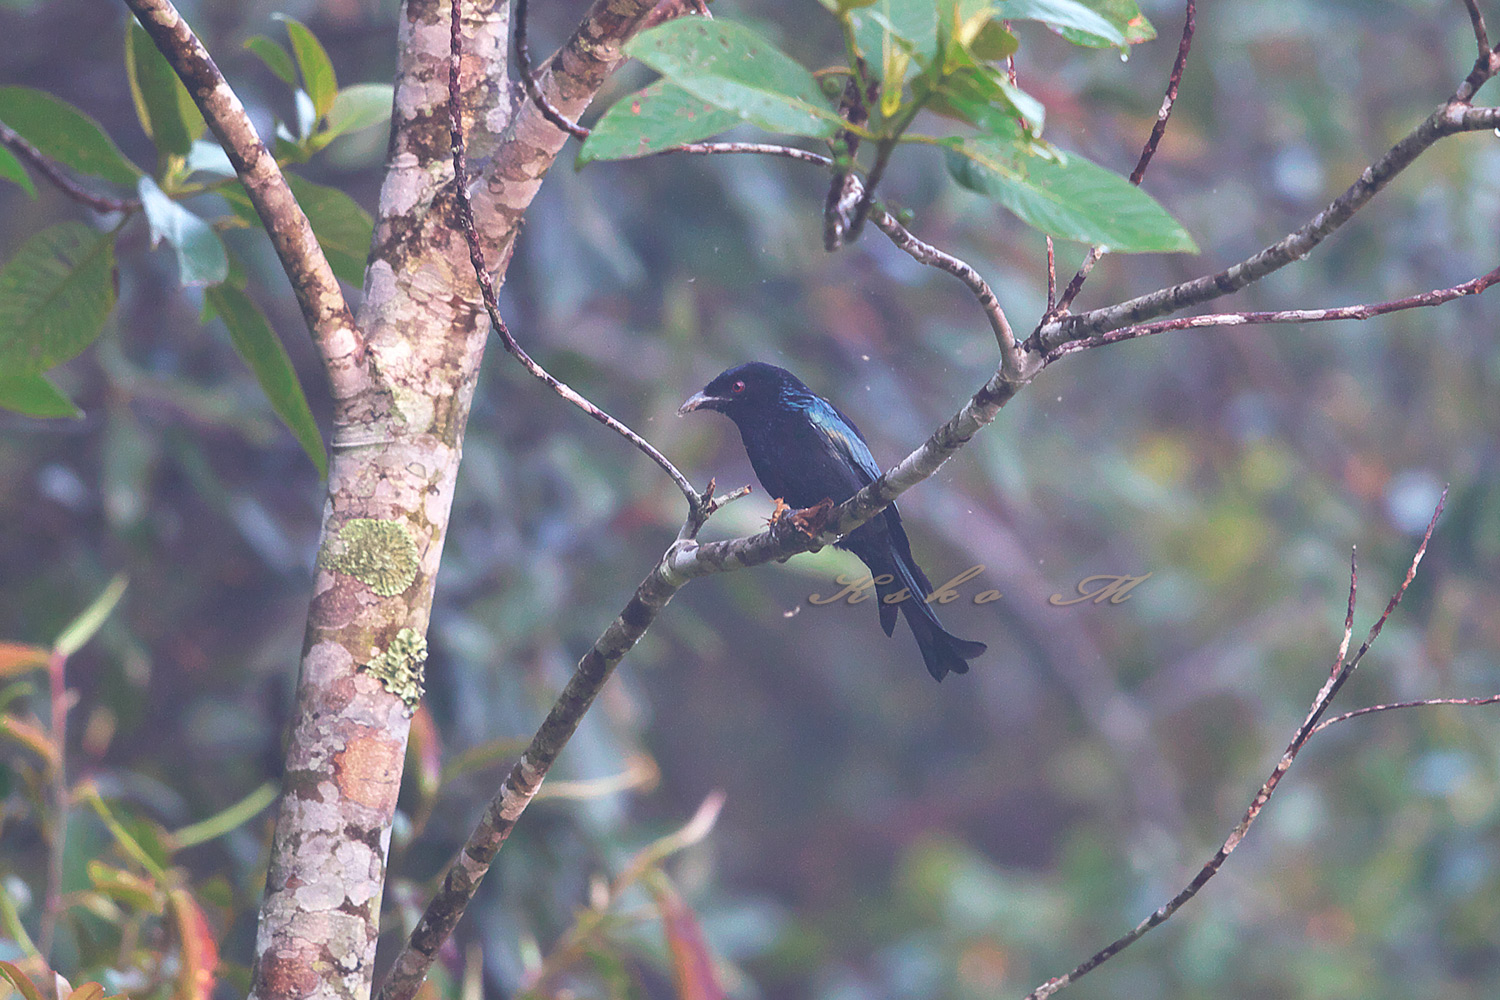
1343	667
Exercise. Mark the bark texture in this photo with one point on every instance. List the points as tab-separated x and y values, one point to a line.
396	444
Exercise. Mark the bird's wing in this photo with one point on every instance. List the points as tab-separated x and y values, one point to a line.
839	432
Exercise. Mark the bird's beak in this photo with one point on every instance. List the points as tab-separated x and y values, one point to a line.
700	401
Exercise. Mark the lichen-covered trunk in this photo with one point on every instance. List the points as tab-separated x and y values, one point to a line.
396	445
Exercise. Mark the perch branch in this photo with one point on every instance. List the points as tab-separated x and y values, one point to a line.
1450	119
1364	311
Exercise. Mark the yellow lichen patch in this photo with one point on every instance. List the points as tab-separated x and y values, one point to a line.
379	554
402	667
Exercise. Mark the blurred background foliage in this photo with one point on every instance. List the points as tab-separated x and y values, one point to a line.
881	836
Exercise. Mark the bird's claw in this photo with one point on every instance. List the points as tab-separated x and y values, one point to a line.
810	521
778	512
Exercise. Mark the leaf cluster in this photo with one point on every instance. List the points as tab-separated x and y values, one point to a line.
58	291
953	59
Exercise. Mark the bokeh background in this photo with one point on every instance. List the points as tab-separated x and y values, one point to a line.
883	836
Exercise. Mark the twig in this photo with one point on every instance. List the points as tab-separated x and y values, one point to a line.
762	148
1342	669
1051	276
1481	36
318	294
925	253
533	91
17	144
695	501
1138	174
663	11
1418	703
1450	119
1365	311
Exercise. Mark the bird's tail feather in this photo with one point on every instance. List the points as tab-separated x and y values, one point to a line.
942	651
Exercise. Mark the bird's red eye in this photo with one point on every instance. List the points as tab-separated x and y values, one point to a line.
737	387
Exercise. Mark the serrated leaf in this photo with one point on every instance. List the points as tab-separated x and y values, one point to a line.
1075	199
360	106
162	103
1123	14
55	294
76	634
1063	14
201	257
730	66
317	69
257	343
344	230
659	117
277	59
35	396
63	133
11	170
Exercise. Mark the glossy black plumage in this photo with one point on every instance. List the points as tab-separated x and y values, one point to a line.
805	451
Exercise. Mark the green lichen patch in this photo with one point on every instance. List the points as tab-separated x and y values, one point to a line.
379	554
402	667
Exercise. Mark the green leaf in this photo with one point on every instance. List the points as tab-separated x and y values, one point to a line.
1072	199
277	59
201	258
913	22
344	230
162	103
651	120
55	294
63	133
76	634
732	67
35	396
317	69
1123	14
11	170
256	342
360	106
983	96
1063	14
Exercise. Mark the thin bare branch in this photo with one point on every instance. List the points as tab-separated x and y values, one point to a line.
487	285
1342	671
1481	35
318	294
1148	151
926	253
762	148
1365	311
1419	703
13	141
528	81
1450	119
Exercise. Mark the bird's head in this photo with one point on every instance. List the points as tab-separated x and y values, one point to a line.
746	388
